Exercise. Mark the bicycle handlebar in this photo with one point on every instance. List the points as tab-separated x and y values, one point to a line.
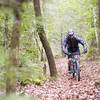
77	53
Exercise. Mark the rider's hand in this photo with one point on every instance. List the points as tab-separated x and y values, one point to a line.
69	53
85	51
66	52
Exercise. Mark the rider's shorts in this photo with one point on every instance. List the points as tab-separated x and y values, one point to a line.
70	56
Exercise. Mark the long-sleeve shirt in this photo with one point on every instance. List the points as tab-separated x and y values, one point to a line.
72	44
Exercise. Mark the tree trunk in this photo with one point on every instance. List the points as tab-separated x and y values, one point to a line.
15	37
36	42
95	24
99	26
37	45
11	76
43	39
10	72
61	44
10	81
6	33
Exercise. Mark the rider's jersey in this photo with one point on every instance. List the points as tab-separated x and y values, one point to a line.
72	44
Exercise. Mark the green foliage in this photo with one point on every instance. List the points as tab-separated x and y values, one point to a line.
28	54
3	14
35	81
92	52
27	26
25	82
91	35
91	39
38	82
70	14
2	67
2	85
94	2
2	56
30	73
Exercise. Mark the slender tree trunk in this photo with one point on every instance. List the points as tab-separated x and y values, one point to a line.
6	33
36	41
37	45
15	37
43	39
10	71
10	81
95	24
99	25
43	8
11	76
61	43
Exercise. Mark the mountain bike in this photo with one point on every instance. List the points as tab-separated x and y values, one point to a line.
75	66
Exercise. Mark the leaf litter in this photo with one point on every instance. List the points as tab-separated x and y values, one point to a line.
65	88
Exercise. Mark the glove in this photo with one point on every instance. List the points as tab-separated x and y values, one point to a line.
65	52
69	53
85	51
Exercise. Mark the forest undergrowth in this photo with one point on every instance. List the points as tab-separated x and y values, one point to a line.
65	88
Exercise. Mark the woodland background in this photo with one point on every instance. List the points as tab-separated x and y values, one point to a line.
31	36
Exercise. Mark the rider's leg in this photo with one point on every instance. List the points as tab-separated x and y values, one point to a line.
69	63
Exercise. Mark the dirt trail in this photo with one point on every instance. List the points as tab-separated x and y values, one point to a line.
68	89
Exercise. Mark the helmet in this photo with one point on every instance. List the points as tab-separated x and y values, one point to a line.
70	32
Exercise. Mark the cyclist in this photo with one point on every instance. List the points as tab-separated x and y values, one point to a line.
71	42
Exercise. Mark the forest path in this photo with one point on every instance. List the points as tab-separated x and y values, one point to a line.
68	89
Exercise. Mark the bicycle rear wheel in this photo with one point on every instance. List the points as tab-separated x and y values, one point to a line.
78	71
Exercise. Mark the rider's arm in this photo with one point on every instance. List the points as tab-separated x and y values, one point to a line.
83	43
64	45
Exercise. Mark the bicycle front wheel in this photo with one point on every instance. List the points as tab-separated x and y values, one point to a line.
73	75
78	71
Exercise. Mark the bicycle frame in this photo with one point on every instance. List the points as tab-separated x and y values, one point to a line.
73	62
75	66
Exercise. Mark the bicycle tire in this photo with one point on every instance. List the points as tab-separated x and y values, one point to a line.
78	71
73	75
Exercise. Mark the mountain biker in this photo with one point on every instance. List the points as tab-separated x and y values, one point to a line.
71	42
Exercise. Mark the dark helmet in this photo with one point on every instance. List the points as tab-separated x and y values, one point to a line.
70	32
